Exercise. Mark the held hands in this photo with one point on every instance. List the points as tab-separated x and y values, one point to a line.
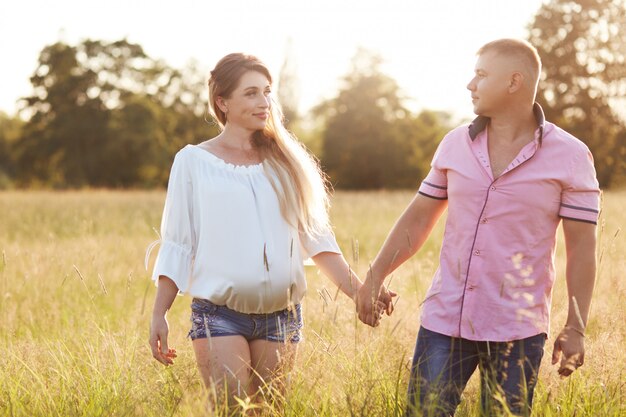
372	301
569	347
158	341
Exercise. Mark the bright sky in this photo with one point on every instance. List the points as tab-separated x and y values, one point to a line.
428	46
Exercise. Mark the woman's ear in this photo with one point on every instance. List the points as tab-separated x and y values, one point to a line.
221	104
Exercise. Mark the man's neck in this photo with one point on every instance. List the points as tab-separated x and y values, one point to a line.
513	125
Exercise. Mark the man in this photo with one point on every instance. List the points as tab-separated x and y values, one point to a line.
507	180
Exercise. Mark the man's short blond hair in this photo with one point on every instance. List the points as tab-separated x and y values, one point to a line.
516	48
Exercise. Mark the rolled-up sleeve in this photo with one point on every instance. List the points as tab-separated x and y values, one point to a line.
580	198
176	254
318	243
435	185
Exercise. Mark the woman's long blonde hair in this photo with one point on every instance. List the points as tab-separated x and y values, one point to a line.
294	173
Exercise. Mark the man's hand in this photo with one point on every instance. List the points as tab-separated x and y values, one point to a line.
372	301
366	303
569	347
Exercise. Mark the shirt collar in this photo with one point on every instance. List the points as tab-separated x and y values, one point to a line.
480	123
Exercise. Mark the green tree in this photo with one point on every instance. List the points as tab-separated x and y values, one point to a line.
65	121
370	139
582	44
106	114
10	131
421	134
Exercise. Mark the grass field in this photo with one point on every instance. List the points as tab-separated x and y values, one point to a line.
75	304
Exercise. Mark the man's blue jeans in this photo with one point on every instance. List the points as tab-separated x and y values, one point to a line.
442	365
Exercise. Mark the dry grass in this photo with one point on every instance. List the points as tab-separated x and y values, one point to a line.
75	302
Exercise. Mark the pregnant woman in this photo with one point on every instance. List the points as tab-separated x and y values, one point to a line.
242	212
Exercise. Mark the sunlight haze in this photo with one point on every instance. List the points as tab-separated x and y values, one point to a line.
428	47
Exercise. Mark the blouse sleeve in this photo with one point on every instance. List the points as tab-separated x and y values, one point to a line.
177	249
315	244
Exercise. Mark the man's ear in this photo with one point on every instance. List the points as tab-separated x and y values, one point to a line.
516	82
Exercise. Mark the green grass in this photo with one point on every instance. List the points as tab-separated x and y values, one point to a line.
75	304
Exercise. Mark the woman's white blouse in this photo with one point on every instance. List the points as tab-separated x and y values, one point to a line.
223	237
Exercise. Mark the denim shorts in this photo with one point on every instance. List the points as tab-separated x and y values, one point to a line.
211	320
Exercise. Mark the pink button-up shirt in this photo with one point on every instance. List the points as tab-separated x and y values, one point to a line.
496	271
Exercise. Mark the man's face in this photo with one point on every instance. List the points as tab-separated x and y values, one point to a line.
490	85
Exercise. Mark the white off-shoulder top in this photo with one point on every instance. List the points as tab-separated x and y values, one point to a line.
223	237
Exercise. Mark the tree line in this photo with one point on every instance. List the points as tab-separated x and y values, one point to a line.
105	114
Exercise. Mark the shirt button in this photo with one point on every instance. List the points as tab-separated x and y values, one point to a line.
470	288
493	188
484	220
477	252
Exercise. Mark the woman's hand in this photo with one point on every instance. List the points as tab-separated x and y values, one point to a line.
385	297
159	330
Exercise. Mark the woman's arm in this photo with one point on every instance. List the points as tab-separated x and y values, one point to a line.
159	329
335	267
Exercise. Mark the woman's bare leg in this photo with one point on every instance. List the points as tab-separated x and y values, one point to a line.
271	363
224	364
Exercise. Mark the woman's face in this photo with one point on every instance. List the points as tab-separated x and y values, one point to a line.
249	104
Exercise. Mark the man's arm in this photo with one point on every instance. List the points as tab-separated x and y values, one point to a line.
580	245
406	237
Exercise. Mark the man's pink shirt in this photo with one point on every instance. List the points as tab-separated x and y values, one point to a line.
496	268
